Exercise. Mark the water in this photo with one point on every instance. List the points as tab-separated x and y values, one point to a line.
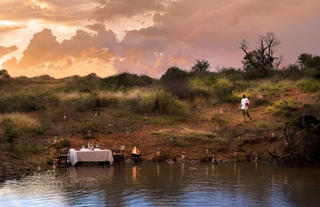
152	184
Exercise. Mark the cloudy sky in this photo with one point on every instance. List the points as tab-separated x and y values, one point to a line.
68	37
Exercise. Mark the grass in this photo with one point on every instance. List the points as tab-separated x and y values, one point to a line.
159	102
17	124
22	121
287	107
27	102
217	119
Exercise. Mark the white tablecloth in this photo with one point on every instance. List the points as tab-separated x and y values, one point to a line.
85	155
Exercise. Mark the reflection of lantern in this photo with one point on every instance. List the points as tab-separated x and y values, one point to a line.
95	113
64	116
134	173
183	156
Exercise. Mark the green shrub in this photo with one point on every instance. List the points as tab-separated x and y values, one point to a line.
308	85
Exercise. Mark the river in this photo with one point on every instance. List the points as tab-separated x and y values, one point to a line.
161	184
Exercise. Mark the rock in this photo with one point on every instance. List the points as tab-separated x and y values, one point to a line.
129	161
171	162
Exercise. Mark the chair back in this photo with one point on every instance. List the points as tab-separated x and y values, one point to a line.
115	150
63	152
122	147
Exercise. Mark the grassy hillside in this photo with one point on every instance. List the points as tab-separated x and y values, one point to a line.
183	112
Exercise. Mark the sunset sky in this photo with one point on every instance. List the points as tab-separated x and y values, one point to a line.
67	37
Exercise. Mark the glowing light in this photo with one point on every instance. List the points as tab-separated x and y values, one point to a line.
135	150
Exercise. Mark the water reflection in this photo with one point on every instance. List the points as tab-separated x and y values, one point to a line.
134	174
160	184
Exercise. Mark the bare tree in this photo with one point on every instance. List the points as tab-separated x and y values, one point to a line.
263	57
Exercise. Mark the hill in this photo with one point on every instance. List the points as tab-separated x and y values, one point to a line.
194	114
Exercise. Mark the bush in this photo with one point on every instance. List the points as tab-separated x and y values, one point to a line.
158	101
125	81
88	128
82	84
174	74
27	102
14	125
84	104
10	130
181	90
65	143
175	81
208	80
199	92
286	107
302	138
292	72
222	89
101	102
231	73
231	98
308	85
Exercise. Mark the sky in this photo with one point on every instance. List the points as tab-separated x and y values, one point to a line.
107	37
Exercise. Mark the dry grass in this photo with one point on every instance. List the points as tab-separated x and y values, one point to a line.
21	120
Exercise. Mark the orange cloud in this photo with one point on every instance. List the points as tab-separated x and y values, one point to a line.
181	32
7	50
7	29
82	54
66	66
108	10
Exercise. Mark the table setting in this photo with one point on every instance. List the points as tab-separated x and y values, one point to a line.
90	154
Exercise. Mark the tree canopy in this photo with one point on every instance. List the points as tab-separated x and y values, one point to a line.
201	66
259	61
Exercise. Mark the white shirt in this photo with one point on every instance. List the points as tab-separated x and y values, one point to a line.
243	103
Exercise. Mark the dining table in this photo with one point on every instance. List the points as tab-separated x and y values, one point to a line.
90	155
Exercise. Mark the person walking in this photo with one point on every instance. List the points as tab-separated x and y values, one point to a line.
244	106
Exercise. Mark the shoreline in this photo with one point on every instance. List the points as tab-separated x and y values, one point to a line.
21	173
